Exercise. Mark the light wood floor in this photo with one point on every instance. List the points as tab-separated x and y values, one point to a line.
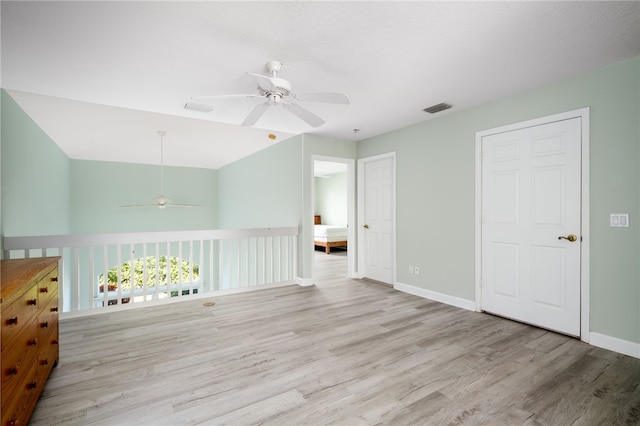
343	352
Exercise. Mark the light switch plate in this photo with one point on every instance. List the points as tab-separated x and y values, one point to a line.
619	220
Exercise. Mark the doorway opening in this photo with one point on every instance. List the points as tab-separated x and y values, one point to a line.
333	216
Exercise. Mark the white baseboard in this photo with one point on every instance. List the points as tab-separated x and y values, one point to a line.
438	297
304	282
624	347
140	305
615	344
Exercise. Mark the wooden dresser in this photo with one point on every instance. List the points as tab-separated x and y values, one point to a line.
29	342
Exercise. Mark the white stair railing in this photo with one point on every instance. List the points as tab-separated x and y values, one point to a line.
106	271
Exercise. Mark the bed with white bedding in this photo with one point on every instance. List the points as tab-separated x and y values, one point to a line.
329	236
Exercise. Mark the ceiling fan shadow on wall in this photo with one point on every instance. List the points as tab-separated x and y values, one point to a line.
276	92
161	201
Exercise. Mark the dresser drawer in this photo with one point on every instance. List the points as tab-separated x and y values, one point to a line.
17	315
47	322
47	358
17	362
48	338
22	399
49	311
48	288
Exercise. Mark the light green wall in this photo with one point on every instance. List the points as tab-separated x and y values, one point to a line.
99	188
1	221
46	193
264	189
273	188
331	199
1	95
35	177
436	190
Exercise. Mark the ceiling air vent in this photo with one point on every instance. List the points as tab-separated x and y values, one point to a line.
437	108
198	107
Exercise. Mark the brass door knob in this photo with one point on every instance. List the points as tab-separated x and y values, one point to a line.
570	237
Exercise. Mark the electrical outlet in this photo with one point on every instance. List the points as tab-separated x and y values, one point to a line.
410	269
416	270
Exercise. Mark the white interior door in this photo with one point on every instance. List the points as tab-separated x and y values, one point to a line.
531	209
377	226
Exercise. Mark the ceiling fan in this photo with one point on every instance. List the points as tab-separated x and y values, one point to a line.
161	201
276	92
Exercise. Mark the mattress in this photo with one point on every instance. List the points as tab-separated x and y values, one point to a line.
329	233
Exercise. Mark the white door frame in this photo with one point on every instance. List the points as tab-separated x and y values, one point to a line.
361	186
582	113
352	252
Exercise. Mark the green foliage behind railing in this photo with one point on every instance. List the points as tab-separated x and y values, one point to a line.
189	273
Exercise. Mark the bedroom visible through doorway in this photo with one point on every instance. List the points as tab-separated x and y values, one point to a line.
330	211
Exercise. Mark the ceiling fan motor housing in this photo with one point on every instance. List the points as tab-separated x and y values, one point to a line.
280	88
273	67
161	201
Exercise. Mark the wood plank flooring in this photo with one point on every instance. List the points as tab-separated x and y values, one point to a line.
343	352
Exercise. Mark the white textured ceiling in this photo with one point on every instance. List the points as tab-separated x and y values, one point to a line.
102	77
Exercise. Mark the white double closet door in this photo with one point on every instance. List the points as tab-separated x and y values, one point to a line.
530	213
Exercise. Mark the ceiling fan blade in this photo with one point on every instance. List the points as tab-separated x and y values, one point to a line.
255	114
304	114
264	81
183	205
128	206
214	97
158	206
331	98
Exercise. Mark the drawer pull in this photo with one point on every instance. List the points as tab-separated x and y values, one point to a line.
44	324
32	385
13	422
54	279
44	362
12	321
54	342
44	290
33	342
54	309
32	302
12	371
